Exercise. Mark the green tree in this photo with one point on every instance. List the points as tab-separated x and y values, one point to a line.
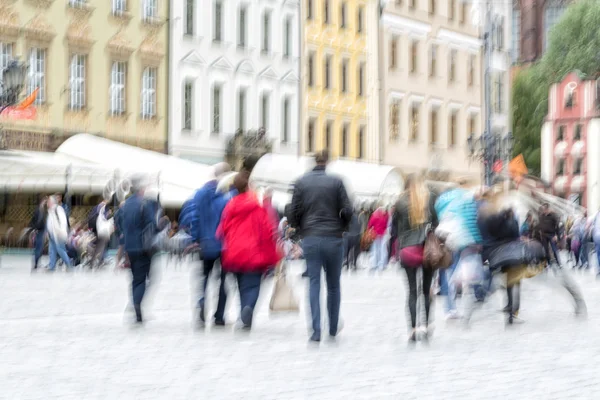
574	45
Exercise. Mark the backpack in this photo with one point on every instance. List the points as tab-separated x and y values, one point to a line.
92	218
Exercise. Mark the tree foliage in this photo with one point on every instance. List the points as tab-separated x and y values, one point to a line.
574	45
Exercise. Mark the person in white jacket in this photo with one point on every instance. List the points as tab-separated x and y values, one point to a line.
58	233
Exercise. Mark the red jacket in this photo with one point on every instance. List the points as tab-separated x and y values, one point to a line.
248	236
379	222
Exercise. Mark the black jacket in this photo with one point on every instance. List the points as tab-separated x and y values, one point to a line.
408	235
548	224
498	229
320	205
38	222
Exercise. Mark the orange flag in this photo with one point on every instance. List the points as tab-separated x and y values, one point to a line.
517	167
28	100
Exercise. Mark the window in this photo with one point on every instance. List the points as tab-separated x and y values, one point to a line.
37	74
471	70
328	127
432	7
188	105
118	85
326	12
119	7
451	9
413	4
344	140
452	71
266	43
499	33
6	56
453	129
395	120
361	142
560	169
218	21
552	14
472	125
433	128
414	122
310	137
311	69
286	120
516	34
327	72
287	41
264	111
309	9
561	134
216	108
77	82
433	60
149	10
361	79
498	93
463	12
241	120
394	53
149	93
189	17
570	94
344	76
242	29
343	15
359	19
577	166
414	56
77	3
577	132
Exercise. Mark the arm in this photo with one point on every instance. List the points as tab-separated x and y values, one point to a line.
295	217
345	205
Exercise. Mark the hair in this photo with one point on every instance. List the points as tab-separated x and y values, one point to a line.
322	157
418	204
250	162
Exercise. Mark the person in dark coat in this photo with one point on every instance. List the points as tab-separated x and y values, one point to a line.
38	224
138	215
352	243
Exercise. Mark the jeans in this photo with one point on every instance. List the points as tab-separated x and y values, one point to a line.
140	272
448	287
324	253
584	252
57	249
207	267
249	287
351	250
379	253
39	247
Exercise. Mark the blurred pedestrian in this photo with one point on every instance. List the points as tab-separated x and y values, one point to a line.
249	242
38	224
321	212
58	233
379	223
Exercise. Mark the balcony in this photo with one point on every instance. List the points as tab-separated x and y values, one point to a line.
560	149
578	149
578	184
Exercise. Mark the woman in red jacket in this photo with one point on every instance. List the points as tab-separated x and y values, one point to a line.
249	241
378	223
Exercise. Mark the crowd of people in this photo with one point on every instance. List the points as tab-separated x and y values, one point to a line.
460	238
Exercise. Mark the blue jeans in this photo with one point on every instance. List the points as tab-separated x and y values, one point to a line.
447	287
324	253
379	253
57	249
39	247
140	273
249	287
207	267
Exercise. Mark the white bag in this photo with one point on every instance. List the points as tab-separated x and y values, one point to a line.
283	298
469	270
105	227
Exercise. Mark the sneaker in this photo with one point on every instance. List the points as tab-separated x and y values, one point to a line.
246	316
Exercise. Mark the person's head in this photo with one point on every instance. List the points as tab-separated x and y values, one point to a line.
243	177
52	203
221	169
58	197
138	185
418	196
44	201
322	158
545	208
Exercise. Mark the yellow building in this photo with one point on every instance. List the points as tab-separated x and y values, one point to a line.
100	67
335	76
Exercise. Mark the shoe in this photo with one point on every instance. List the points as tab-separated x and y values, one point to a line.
138	314
246	317
219	322
315	338
305	274
412	337
340	328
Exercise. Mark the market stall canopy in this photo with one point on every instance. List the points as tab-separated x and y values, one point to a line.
366	181
280	171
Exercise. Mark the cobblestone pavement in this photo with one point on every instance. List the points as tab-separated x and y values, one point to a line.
64	336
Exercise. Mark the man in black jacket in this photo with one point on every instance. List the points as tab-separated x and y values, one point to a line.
548	226
321	212
38	224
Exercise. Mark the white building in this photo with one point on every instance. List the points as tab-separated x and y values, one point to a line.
234	64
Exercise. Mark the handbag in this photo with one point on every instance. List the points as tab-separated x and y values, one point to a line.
283	298
435	253
367	239
411	256
515	253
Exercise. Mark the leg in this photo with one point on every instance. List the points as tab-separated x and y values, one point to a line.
62	252
39	247
140	271
53	254
411	274
207	266
220	313
311	247
427	278
249	288
333	268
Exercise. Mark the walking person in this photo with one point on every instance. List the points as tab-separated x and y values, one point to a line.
58	233
415	213
249	242
208	208
379	223
549	230
321	212
352	243
38	224
138	221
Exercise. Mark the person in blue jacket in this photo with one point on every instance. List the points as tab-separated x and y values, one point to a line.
208	206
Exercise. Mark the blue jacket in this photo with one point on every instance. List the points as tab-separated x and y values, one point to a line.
134	219
461	203
188	216
209	205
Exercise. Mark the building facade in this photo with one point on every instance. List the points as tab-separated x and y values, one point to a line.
339	78
234	67
102	70
432	86
570	141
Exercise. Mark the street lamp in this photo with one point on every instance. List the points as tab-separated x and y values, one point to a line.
490	148
13	82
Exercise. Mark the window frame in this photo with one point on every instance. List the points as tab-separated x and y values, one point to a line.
148	96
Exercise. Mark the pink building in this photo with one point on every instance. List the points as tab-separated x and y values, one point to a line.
570	142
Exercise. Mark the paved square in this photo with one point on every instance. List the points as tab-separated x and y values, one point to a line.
63	336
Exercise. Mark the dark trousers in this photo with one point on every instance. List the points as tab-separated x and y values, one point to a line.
550	246
249	287
351	250
411	274
39	247
514	298
207	266
324	253
140	272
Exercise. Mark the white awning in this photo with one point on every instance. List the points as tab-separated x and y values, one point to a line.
280	171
